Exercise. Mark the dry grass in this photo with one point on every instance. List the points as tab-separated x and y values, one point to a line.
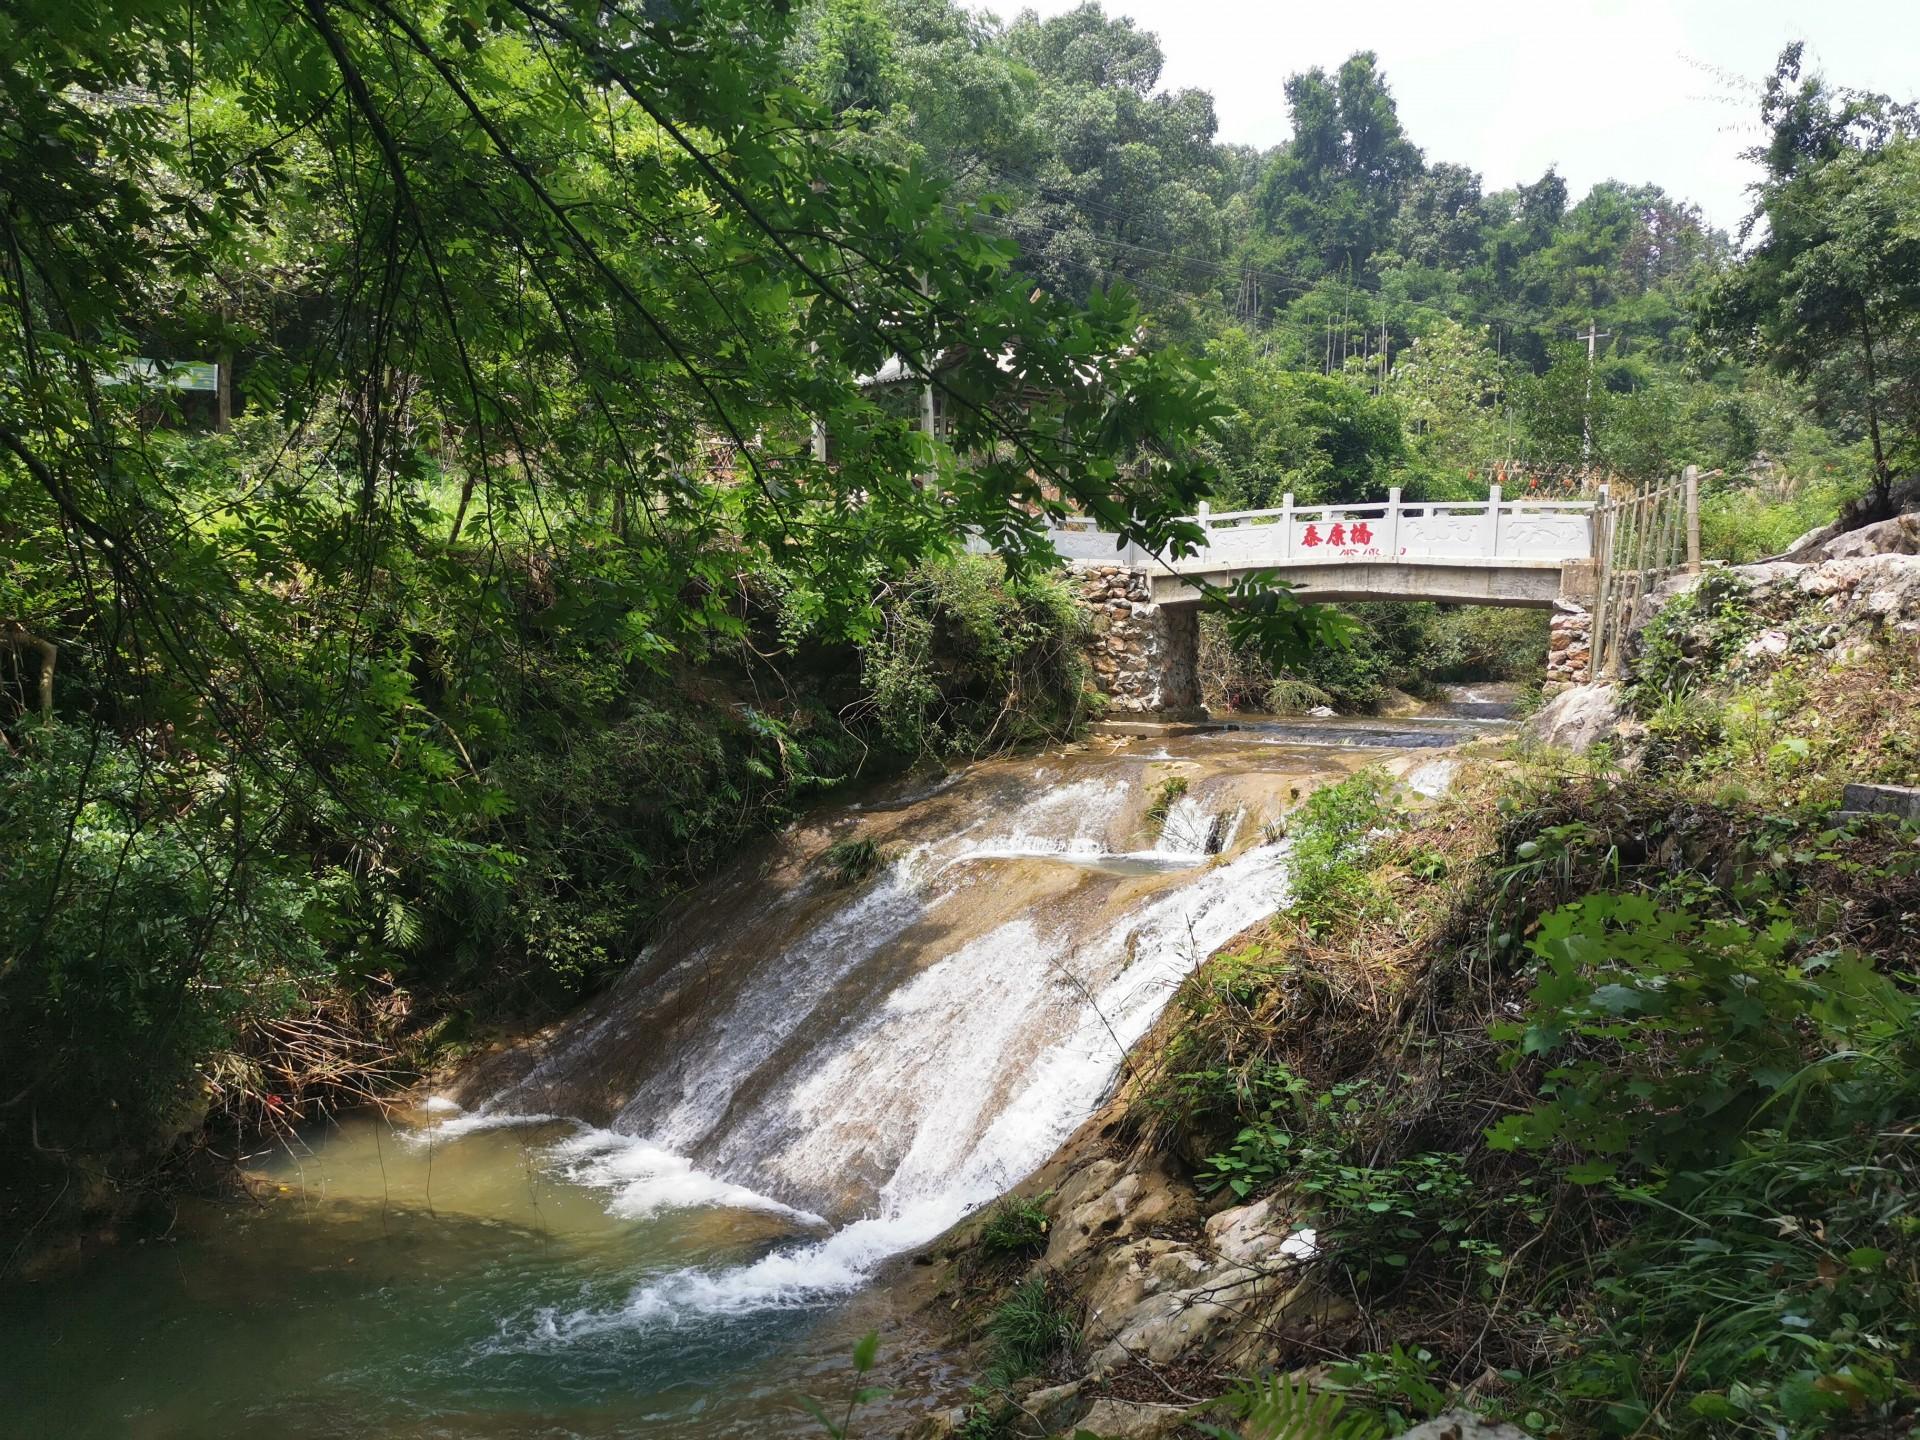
334	1053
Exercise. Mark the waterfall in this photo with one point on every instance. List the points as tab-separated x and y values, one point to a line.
873	1061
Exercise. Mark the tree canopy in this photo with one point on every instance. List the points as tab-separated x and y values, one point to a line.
1830	295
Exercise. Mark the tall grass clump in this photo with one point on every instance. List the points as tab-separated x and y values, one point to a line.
1332	833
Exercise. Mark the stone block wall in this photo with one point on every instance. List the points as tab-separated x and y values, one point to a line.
1569	647
1145	657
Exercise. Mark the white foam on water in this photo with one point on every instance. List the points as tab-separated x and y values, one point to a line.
1186	829
734	1044
1141	960
1067	819
645	1179
485	1118
971	1075
794	1277
441	1105
1190	826
1089	814
1156	859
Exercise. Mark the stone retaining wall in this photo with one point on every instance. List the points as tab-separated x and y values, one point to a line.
1569	647
1145	657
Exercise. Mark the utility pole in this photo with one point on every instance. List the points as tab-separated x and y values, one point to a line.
1586	410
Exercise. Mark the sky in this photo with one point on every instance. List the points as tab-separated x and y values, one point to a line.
1633	90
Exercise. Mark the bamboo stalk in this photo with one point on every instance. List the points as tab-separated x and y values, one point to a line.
1603	534
1642	558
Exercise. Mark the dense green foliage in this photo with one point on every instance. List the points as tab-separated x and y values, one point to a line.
546	544
967	658
1373	318
1330	833
1014	1227
1831	294
1029	1328
516	594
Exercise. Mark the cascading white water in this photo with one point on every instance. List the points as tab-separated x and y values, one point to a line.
894	1057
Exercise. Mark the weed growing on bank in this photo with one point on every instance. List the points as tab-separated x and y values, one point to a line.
853	861
1015	1228
1166	795
1332	832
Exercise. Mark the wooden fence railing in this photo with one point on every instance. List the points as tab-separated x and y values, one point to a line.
1641	535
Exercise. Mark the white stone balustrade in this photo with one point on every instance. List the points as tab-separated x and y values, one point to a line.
1496	531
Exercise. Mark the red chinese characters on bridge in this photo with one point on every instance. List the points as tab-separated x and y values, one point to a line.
1340	536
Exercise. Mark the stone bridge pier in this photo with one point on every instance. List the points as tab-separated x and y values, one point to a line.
1145	657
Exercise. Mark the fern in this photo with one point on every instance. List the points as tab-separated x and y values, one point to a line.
1283	1408
400	925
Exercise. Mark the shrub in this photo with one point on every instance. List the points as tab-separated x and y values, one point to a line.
1774	1296
1374	1219
1404	646
1165	795
1014	1227
140	946
1398	1382
1691	640
853	861
1675	1035
967	658
1742	524
1281	1407
1287	696
1332	832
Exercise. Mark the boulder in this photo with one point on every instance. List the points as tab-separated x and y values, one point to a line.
1807	547
1886	586
1253	1234
1900	801
1165	1327
938	1424
1127	1276
1898	536
1105	1202
1049	1411
1578	717
1131	1420
1228	1304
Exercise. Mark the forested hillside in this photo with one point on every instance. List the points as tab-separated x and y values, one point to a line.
1375	315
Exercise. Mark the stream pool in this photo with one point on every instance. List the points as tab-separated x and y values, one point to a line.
395	1288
